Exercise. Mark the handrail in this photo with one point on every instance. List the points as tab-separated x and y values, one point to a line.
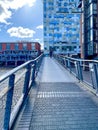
7	94
84	70
79	59
5	76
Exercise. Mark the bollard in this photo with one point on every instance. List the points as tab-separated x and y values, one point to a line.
8	103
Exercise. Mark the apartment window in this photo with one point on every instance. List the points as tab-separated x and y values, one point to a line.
8	46
16	46
95	32
25	46
90	48
94	8
0	47
95	22
95	48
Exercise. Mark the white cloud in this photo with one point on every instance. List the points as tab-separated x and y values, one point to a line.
7	5
37	39
15	4
20	32
40	27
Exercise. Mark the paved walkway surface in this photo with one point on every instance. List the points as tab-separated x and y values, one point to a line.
60	103
51	71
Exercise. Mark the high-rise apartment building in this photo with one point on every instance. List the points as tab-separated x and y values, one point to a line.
89	28
61	26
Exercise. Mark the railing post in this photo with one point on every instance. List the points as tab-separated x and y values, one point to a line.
69	65
79	70
9	103
66	60
77	65
27	79
33	72
95	66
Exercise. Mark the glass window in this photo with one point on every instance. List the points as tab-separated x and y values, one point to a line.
25	46
8	46
0	46
16	46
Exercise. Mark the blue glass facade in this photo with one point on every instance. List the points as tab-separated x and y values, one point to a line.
61	26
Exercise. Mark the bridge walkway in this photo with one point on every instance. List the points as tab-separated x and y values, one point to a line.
58	102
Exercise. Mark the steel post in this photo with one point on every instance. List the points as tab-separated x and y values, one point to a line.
34	72
27	80
9	103
95	66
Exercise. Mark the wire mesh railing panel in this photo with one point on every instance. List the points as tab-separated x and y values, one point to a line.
84	70
2	110
3	97
14	89
18	87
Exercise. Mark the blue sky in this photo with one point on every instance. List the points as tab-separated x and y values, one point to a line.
21	20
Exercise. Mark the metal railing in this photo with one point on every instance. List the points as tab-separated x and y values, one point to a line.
85	71
14	88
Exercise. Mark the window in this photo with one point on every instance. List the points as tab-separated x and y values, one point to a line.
8	46
95	35
25	46
94	8
16	46
0	46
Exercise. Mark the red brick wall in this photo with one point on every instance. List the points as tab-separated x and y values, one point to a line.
37	46
3	46
12	46
20	46
29	46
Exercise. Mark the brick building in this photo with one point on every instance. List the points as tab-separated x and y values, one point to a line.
15	53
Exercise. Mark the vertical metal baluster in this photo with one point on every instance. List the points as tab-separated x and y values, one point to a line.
95	66
27	80
33	72
9	103
79	70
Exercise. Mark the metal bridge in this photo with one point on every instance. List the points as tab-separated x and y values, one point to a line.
58	93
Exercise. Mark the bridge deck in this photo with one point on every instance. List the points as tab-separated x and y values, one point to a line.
58	102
